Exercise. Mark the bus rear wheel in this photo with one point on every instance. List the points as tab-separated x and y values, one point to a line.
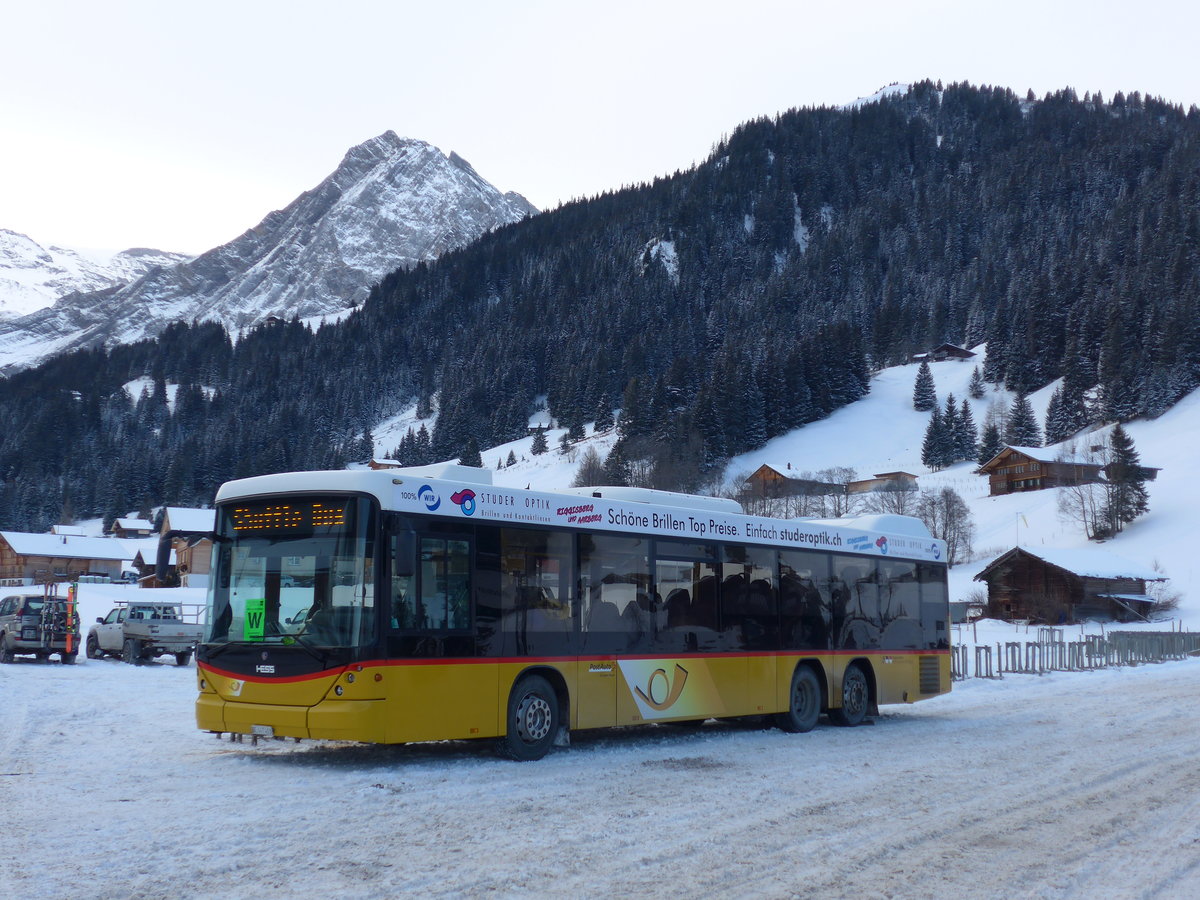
804	702
532	722
856	698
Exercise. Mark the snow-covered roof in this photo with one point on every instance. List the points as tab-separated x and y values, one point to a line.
180	518
64	546
134	524
1050	454
786	470
1088	562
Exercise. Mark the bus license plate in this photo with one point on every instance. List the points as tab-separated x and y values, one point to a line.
262	730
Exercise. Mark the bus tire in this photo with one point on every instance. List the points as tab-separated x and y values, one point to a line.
532	722
804	702
856	698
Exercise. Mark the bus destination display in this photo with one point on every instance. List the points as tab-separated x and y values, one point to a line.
293	517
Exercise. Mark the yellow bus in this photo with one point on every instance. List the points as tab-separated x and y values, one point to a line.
428	604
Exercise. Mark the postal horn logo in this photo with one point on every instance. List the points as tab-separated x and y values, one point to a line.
466	500
429	497
661	692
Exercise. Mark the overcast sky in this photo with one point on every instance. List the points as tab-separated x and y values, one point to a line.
178	126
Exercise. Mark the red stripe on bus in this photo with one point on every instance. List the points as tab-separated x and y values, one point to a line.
512	660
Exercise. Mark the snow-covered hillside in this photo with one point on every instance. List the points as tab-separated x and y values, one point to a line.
33	276
883	433
392	202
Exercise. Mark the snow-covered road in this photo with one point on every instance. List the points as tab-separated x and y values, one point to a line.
1069	785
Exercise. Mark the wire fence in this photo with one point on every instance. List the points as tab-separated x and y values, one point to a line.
1052	653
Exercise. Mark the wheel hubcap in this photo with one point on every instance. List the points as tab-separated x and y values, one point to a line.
855	698
802	699
533	718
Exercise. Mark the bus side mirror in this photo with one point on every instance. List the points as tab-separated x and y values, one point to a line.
404	552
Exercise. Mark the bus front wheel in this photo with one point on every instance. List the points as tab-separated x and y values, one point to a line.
856	698
804	703
532	719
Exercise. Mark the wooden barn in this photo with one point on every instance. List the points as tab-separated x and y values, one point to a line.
1064	586
783	481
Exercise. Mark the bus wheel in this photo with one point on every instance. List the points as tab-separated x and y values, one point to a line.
532	719
856	698
804	704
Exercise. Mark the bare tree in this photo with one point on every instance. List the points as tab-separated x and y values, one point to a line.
895	498
591	469
1082	499
948	518
1166	600
838	503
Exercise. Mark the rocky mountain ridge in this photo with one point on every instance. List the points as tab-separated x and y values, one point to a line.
392	203
33	276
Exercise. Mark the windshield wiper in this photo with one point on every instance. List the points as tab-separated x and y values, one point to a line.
311	649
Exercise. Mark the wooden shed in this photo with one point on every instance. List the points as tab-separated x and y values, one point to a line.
883	481
1064	586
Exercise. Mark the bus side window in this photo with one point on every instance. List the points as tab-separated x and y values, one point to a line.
445	593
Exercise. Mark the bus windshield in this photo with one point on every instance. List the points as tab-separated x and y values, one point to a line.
294	570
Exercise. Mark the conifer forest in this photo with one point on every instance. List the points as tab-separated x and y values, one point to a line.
717	307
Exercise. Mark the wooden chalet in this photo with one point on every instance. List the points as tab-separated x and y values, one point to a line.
943	352
1066	586
884	481
1016	469
772	481
187	533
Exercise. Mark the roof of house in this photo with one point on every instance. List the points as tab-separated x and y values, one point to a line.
1040	454
65	546
1086	562
134	524
180	518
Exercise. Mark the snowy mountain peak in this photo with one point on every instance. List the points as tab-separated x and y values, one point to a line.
391	203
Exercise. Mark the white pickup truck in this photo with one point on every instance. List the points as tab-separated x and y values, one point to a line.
139	631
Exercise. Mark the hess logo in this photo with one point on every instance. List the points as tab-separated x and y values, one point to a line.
661	692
